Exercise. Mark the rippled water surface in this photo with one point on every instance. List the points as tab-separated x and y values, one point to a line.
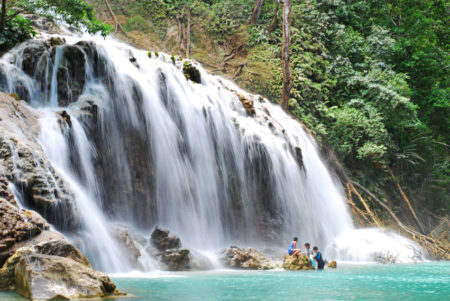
425	281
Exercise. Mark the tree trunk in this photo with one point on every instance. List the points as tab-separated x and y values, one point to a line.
188	34
181	32
285	53
117	24
274	24
405	198
256	11
3	16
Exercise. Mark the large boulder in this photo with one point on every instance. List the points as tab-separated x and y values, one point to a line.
7	272
191	72
169	250
292	263
54	269
47	277
176	259
162	240
247	258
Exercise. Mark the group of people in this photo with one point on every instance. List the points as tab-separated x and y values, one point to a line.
314	255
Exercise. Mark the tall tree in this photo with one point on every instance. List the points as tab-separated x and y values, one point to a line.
181	31
188	33
274	23
256	11
116	22
285	53
3	16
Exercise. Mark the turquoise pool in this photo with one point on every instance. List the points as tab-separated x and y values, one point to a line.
424	281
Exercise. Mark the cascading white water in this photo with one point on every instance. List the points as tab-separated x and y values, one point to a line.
97	241
187	156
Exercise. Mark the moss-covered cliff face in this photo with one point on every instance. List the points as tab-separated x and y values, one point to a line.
368	79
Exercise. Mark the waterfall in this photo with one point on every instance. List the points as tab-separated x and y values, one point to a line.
144	146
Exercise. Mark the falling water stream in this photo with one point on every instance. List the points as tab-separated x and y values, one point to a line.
145	147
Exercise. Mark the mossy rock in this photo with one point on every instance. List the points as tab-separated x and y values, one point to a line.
332	265
15	96
293	264
192	73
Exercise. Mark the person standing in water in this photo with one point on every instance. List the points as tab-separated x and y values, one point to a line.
293	251
308	250
319	258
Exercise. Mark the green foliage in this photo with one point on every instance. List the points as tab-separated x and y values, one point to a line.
76	13
16	30
136	23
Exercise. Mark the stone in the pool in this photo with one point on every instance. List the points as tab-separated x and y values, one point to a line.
293	264
332	265
246	258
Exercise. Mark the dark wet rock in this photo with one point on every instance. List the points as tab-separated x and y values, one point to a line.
169	250
65	118
133	60
246	258
163	241
299	156
292	263
176	259
56	41
5	192
71	73
191	72
32	53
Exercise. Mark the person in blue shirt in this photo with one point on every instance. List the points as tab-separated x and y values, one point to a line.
293	251
319	258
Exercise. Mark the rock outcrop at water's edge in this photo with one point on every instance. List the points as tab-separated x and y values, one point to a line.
293	264
54	269
169	249
246	258
40	263
36	261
